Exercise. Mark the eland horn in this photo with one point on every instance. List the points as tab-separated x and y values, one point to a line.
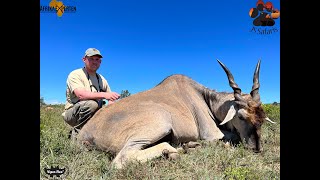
256	85
233	85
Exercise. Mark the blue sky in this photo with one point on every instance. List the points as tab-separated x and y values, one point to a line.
144	41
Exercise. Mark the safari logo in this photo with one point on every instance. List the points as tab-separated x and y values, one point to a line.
57	7
264	17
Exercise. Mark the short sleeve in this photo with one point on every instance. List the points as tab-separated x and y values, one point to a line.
74	81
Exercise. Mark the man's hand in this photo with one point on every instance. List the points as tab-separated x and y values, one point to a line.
112	96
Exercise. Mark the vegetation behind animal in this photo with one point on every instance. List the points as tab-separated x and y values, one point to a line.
211	161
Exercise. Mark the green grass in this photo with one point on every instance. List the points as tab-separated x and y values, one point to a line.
211	161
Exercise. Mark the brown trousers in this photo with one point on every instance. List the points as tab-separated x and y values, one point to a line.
80	113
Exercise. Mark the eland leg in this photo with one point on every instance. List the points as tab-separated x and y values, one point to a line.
135	153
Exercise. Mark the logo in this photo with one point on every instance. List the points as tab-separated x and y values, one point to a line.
57	7
264	15
55	172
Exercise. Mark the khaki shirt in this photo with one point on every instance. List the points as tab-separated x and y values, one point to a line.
79	79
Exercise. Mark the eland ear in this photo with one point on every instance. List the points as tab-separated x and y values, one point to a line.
270	120
231	113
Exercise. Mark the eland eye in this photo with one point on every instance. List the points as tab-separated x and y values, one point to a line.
241	118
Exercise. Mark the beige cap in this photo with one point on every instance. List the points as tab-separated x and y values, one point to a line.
92	52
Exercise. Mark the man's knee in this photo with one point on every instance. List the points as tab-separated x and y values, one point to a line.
81	112
91	105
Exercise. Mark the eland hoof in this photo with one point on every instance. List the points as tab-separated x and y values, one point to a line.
174	156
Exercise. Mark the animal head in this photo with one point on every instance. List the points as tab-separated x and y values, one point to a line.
246	114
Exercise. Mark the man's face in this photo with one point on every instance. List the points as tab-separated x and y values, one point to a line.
92	62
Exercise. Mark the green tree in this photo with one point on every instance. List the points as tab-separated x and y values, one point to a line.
124	93
42	101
